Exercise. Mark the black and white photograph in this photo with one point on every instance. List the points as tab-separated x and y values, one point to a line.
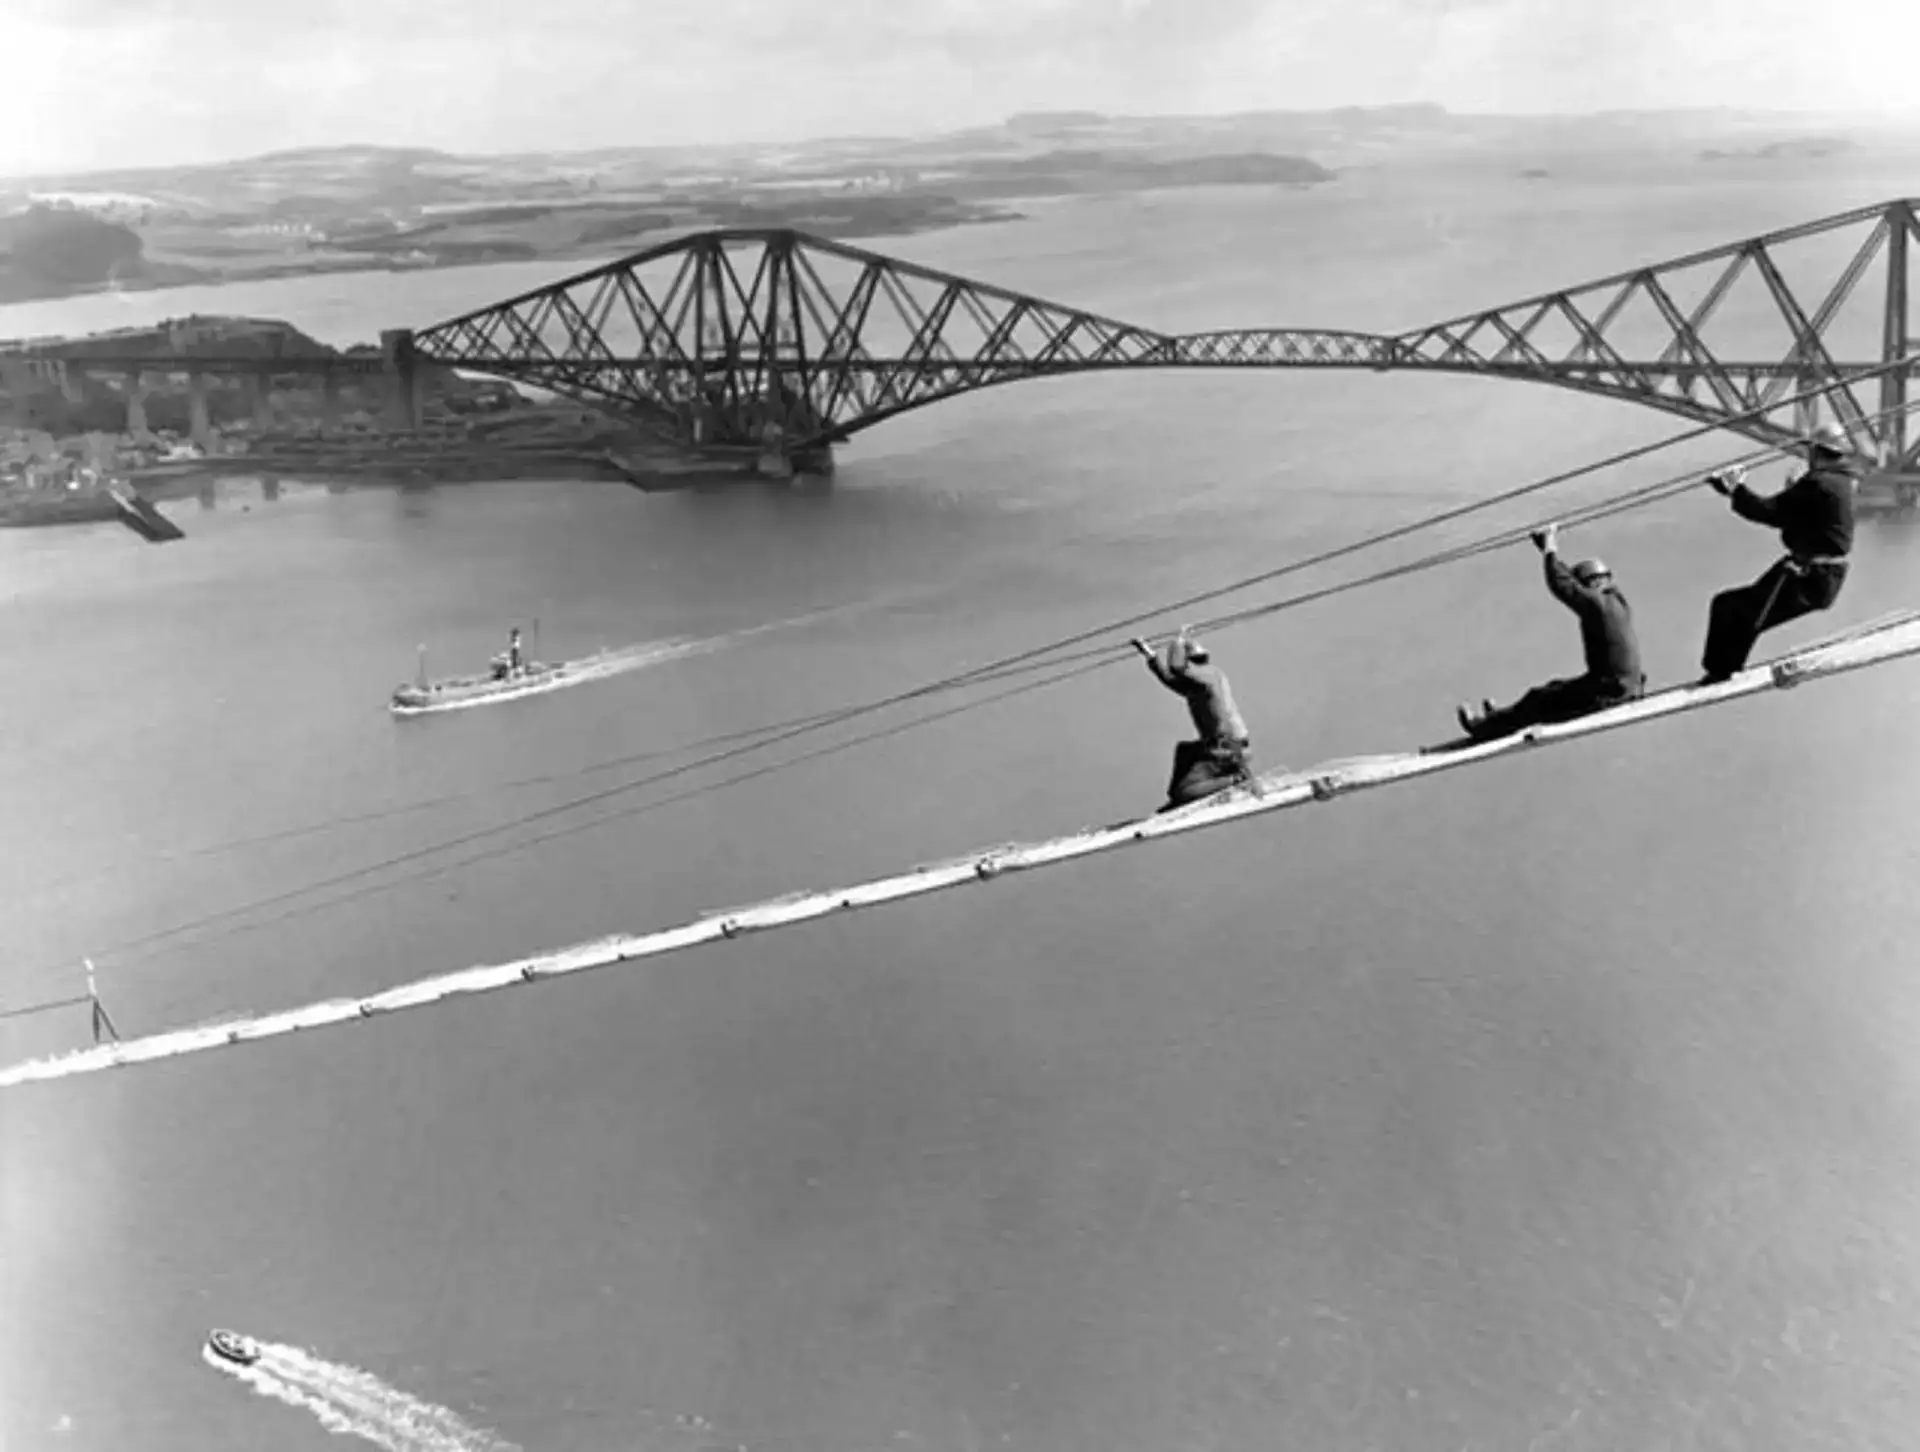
963	726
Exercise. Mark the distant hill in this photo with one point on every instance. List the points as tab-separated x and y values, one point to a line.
351	207
1793	149
53	251
397	177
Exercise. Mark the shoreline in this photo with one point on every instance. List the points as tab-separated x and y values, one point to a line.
71	477
97	506
71	439
658	469
221	226
170	275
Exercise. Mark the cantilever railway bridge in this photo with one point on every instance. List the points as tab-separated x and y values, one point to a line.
781	339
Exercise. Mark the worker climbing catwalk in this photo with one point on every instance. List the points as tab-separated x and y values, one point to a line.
1217	759
1814	515
1613	675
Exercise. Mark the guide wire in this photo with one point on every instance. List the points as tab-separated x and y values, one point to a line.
1033	661
1041	657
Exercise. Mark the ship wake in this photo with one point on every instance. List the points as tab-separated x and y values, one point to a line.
618	661
354	1403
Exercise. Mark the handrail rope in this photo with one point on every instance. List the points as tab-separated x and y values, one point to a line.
1082	664
1658	492
1461	511
1040	657
1630	499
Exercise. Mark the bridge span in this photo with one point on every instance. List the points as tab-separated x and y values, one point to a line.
782	344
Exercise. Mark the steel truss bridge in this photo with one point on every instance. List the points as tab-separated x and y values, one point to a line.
778	339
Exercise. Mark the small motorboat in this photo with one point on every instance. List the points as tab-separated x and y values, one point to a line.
232	1346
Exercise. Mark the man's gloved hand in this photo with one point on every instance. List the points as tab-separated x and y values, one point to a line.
1722	481
1547	540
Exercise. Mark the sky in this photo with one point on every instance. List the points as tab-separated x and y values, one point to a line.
95	84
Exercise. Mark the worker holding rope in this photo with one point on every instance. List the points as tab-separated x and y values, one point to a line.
1872	644
1613	675
1814	515
1217	758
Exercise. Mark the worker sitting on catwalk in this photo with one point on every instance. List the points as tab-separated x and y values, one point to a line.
1613	673
1217	758
1814	515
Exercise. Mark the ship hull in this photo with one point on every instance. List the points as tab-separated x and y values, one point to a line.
462	693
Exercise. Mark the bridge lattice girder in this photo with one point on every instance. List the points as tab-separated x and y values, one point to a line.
716	334
710	337
1725	332
713	335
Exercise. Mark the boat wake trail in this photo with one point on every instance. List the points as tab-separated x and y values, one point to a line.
570	673
562	675
657	652
354	1403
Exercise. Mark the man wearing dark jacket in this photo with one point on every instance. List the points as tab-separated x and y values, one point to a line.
1814	515
1217	759
1613	673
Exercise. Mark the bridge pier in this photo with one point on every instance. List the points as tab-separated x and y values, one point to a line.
260	399
777	461
403	378
136	383
803	464
199	425
16	377
815	461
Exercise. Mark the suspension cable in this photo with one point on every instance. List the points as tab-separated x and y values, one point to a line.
26	1010
1067	668
1655	493
1619	504
1462	511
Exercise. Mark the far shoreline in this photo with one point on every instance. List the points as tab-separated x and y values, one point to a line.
591	234
591	258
